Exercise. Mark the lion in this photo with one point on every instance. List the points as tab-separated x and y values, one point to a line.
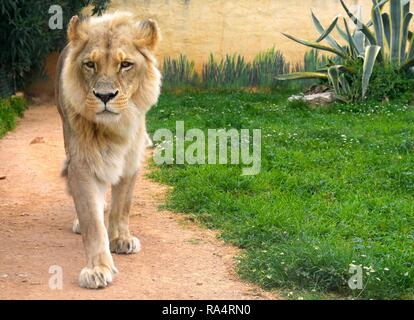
107	80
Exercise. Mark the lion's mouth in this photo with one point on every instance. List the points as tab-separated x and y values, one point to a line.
106	111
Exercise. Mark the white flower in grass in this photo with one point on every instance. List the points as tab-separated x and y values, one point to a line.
370	269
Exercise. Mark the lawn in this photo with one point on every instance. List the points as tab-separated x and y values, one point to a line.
336	189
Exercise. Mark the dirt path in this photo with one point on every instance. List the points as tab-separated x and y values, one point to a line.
179	260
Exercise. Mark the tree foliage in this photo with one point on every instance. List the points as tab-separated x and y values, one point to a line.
26	38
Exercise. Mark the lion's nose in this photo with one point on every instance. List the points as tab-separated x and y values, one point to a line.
105	97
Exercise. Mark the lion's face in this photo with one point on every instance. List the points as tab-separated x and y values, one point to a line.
110	74
113	66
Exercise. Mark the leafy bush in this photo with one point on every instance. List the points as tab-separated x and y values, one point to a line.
26	39
10	109
389	83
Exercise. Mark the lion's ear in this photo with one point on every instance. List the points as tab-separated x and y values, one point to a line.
73	28
74	32
148	34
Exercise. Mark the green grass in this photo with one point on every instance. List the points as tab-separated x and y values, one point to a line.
10	109
336	188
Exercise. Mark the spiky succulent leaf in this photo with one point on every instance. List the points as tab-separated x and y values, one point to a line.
302	75
327	32
360	41
352	46
406	7
360	25
371	54
333	75
316	45
380	4
345	84
387	28
396	11
404	36
332	42
378	24
342	33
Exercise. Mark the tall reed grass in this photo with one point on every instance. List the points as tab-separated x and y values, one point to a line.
234	72
266	66
231	72
179	72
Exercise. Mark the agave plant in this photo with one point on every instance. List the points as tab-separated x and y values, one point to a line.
385	39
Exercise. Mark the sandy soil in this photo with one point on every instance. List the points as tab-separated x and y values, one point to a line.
179	260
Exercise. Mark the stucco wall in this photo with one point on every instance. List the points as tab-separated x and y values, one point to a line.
198	27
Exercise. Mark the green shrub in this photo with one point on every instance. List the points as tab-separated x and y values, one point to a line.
25	38
390	83
10	109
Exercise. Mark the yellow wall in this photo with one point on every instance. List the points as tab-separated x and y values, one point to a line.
198	27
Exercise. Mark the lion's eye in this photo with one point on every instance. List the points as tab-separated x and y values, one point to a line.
90	64
126	65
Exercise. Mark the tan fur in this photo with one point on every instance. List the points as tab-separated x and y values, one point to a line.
105	140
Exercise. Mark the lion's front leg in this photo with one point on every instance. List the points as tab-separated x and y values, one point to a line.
88	195
121	240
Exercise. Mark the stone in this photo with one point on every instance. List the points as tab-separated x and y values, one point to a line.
317	99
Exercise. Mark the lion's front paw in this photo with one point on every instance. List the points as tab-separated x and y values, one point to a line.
125	245
97	277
